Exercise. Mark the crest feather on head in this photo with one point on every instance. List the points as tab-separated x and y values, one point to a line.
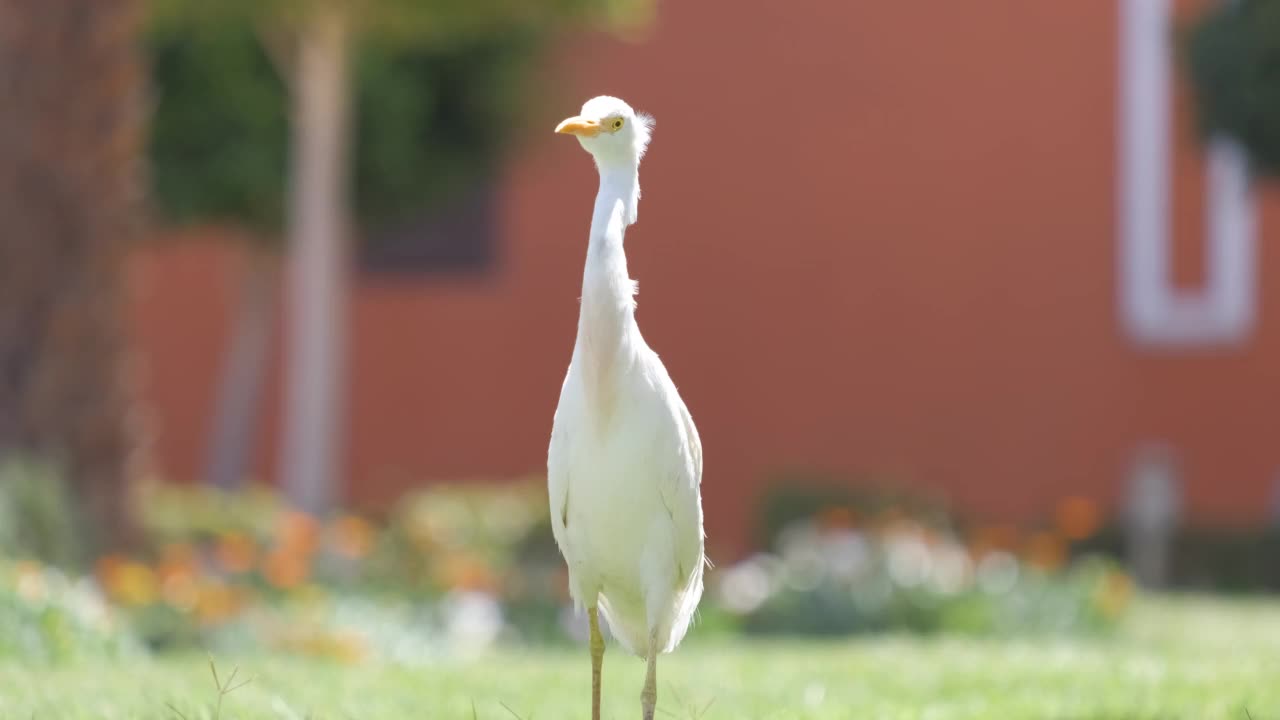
643	132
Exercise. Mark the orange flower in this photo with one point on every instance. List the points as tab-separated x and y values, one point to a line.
107	567
1046	550
346	647
236	551
30	581
297	531
178	553
179	590
1113	593
465	572
353	536
993	537
285	569
930	536
892	520
215	602
133	583
1077	518
835	518
177	559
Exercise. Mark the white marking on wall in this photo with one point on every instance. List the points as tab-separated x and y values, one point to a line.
1153	311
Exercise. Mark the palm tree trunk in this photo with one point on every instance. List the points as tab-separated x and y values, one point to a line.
71	130
235	421
310	452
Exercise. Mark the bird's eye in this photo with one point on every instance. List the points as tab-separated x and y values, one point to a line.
616	124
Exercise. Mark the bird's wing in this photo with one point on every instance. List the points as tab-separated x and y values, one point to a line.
558	475
681	491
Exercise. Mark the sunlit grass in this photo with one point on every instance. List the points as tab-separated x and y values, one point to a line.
1189	658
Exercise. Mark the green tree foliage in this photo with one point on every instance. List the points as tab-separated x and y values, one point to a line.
1233	53
415	22
220	128
428	122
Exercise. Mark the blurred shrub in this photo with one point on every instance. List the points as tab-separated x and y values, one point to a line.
834	581
848	560
794	497
468	537
171	513
454	569
46	616
243	569
492	539
1210	559
38	521
1233	54
1230	560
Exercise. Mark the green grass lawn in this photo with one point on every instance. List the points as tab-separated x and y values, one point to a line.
1175	659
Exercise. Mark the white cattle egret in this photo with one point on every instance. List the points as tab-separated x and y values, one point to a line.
625	464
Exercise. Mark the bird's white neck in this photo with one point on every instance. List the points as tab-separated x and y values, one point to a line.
607	332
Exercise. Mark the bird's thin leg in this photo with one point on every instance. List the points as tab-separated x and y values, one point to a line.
597	660
649	696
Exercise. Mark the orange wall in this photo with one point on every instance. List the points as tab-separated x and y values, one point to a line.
875	238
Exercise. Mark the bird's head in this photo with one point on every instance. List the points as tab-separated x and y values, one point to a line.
610	130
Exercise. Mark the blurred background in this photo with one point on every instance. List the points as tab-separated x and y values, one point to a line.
968	300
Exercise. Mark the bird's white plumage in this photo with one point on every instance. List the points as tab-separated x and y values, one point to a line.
625	462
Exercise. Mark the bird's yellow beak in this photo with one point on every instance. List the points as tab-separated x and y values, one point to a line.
580	126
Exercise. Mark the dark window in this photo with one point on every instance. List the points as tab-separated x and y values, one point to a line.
455	236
